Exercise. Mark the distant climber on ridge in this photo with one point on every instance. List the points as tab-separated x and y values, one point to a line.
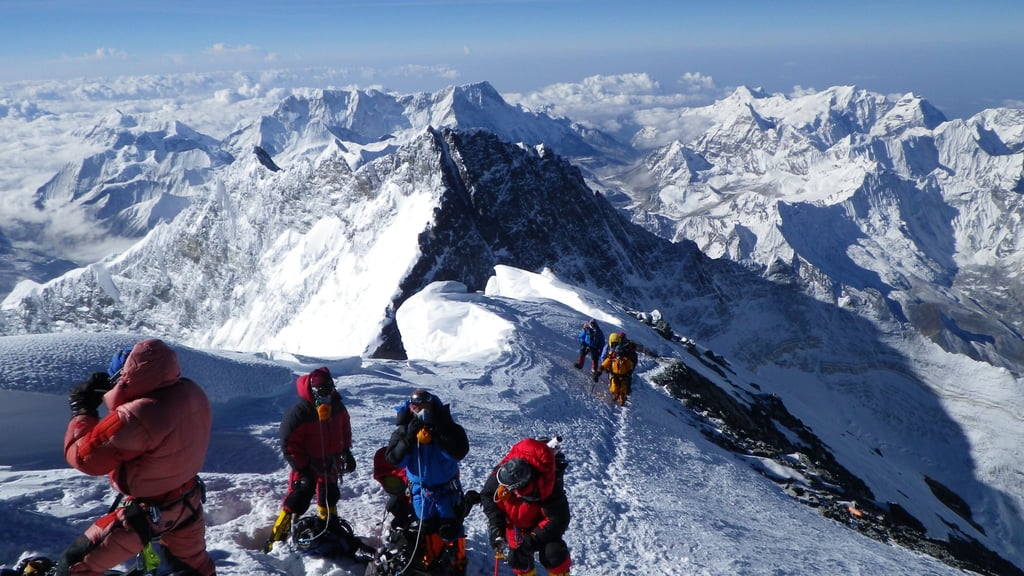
590	339
619	359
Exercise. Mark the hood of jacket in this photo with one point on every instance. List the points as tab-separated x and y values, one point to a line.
151	365
541	458
304	384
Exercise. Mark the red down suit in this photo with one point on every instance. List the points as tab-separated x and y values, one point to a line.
314	448
535	517
151	444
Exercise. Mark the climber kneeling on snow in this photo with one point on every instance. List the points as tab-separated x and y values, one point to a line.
429	444
527	510
316	439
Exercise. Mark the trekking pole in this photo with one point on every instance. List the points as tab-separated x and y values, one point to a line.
496	559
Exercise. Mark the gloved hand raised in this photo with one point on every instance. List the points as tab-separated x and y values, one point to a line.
348	462
86	397
412	428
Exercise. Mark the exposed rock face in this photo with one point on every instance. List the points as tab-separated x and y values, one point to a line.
758	427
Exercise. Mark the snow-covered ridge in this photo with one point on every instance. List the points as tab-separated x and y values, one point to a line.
303	247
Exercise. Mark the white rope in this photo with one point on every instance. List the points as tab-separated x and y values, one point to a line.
323	458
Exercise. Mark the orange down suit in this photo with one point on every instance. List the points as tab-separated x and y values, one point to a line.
152	445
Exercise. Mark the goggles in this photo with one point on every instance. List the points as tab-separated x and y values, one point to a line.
115	378
323	392
513	486
419	400
322	400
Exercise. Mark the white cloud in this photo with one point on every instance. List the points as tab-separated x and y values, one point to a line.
221	49
226	96
421	71
799	91
99	55
621	104
695	82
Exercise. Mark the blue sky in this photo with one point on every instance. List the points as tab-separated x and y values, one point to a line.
960	55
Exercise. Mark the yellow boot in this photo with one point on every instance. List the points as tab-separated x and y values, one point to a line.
280	530
566	573
330	515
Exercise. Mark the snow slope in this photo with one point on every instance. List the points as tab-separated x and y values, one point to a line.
649	493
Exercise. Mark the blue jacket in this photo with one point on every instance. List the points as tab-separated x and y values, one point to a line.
591	337
432	468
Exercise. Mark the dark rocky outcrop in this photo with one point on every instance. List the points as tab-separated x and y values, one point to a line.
752	426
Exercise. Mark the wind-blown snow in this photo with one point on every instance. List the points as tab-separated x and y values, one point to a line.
649	493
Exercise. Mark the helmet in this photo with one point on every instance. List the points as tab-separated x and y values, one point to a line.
613	338
420	397
514	474
622	336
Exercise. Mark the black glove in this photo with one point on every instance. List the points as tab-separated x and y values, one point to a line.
412	428
86	397
498	543
348	462
530	543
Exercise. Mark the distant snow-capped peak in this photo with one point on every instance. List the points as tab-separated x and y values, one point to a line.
862	190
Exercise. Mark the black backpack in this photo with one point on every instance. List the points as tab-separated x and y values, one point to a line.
312	536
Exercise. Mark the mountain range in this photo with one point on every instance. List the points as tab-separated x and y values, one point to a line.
857	227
